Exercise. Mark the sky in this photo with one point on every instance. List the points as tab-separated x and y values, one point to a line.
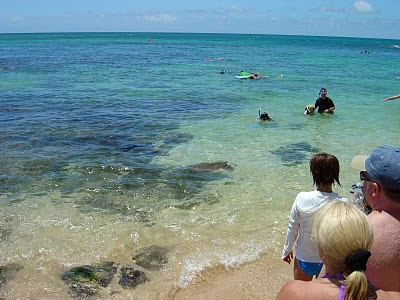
349	18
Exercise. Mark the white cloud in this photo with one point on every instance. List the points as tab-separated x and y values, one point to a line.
162	18
362	7
16	19
236	9
332	21
359	6
323	8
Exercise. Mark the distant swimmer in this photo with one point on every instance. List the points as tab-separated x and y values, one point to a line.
256	76
223	72
148	41
324	103
6	68
309	109
265	117
392	98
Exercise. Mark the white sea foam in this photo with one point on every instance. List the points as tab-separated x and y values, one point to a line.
193	266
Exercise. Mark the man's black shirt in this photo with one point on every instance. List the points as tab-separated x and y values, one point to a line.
323	104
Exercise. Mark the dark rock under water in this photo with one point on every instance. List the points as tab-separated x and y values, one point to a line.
7	273
130	277
295	153
151	258
85	281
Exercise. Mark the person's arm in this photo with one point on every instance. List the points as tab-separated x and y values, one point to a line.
316	104
291	234
392	98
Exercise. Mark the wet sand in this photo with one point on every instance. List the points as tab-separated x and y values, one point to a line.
260	279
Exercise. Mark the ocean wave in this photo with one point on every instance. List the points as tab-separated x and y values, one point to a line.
218	261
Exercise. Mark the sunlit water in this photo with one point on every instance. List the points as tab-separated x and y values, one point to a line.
98	130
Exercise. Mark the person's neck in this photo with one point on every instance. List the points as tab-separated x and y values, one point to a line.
327	188
389	206
331	270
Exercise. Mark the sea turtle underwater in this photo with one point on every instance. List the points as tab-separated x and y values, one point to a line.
206	167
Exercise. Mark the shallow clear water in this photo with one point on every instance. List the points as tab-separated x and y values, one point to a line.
97	132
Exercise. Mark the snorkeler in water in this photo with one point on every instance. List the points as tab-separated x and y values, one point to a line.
265	117
309	109
256	76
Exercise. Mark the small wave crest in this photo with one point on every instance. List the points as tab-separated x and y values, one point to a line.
217	261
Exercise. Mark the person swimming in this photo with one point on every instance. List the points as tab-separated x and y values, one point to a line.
265	117
256	76
309	109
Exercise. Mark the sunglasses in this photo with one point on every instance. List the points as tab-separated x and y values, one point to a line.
364	177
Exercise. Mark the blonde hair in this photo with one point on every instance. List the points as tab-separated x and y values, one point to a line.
341	229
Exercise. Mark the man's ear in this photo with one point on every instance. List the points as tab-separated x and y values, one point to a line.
376	189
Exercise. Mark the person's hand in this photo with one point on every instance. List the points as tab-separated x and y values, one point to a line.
289	257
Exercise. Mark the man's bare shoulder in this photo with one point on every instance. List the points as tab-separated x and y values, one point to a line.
386	230
388	295
384	264
382	218
297	289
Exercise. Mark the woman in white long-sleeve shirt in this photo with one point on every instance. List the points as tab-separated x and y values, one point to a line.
324	168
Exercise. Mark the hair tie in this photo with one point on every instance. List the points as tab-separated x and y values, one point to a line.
357	261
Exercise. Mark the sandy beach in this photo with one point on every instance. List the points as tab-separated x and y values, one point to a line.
260	279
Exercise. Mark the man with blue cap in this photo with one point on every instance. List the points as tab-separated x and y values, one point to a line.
380	173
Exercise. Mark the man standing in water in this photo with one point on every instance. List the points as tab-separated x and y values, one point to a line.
380	173
324	103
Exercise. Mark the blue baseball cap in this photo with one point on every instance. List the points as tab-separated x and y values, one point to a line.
382	165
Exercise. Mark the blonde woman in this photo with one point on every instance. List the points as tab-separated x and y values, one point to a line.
344	236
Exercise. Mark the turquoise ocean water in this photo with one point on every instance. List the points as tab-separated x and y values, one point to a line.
98	130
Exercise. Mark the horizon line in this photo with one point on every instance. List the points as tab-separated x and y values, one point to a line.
182	32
